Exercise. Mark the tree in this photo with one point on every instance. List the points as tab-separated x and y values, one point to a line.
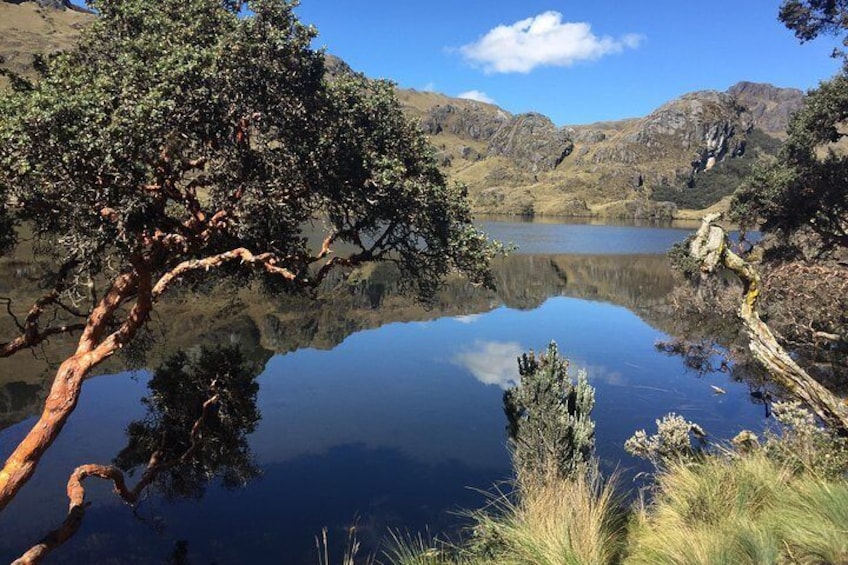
811	18
800	202
179	140
802	189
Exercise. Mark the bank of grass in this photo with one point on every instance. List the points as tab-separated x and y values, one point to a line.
733	508
741	509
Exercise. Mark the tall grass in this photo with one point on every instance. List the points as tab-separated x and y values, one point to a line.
576	521
741	509
720	510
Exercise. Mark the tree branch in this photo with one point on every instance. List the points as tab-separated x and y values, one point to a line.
265	261
711	249
76	490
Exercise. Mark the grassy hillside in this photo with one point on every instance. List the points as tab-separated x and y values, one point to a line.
27	29
690	153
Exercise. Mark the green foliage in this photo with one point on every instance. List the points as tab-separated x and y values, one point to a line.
682	260
800	189
811	18
175	405
550	429
708	187
672	442
177	130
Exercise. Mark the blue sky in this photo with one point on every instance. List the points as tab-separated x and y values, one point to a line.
577	62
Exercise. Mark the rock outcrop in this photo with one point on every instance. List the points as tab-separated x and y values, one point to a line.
470	121
532	142
526	165
771	107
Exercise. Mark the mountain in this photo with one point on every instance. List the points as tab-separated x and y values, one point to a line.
689	153
37	27
770	106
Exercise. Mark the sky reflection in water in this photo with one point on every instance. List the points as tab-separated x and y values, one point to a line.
389	428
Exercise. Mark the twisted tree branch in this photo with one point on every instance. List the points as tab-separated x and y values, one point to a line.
76	489
710	247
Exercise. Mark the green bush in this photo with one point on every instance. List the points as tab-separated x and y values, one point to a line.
550	429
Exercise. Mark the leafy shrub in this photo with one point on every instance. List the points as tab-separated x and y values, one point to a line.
550	429
671	443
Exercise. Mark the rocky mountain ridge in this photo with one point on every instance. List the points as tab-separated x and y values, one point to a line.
688	153
524	164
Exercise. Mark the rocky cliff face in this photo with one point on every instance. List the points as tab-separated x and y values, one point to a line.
702	128
532	142
770	107
470	121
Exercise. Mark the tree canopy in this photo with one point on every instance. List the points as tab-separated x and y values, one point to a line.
811	18
180	138
806	185
179	130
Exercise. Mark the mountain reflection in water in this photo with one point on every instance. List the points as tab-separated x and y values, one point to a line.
374	409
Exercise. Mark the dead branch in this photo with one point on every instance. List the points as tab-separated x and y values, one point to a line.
711	249
31	334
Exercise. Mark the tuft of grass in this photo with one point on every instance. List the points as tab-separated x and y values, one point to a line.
408	549
576	521
351	549
740	509
558	521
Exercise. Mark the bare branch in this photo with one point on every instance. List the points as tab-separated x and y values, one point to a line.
265	261
76	490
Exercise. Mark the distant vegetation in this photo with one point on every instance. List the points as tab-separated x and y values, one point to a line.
704	189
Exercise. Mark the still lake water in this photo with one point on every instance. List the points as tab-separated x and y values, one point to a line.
384	414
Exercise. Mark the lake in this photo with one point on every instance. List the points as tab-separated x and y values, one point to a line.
376	411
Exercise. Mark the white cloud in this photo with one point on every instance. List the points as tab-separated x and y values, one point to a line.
429	87
477	95
543	40
467	319
492	362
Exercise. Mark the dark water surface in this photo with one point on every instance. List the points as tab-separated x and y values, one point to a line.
382	413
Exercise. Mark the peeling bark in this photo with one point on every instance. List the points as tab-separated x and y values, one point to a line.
711	249
95	346
67	385
76	490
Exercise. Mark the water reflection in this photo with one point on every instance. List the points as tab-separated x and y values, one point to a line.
374	408
369	299
199	411
492	362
